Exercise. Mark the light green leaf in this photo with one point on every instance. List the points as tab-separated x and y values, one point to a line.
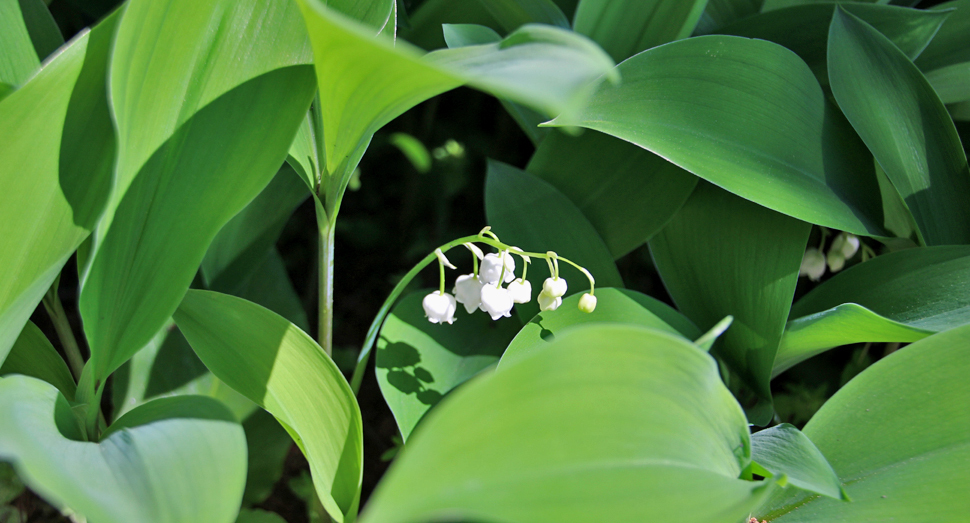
805	29
33	355
725	256
175	460
418	362
625	27
302	156
748	116
720	13
460	35
946	61
902	296
529	213
901	119
612	306
377	14
609	180
608	423
413	150
201	159
276	365
783	449
57	128
18	60
897	437
512	14
44	33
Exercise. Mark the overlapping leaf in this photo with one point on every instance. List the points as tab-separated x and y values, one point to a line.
33	355
719	13
625	27
611	422
512	14
783	449
946	61
276	365
18	60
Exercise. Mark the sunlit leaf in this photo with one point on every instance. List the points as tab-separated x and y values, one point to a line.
783	449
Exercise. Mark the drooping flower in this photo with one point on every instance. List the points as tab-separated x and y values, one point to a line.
520	290
496	301
835	260
555	287
587	303
846	244
468	291
439	308
548	302
813	264
491	268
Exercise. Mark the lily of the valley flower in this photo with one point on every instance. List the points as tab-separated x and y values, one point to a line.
548	302
556	287
491	268
520	290
468	291
587	303
813	264
846	244
496	301
439	308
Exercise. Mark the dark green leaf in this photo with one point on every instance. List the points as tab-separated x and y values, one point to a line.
512	14
43	30
625	27
719	13
268	444
783	449
946	61
33	355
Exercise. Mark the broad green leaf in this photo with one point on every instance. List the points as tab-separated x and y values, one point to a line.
625	27
608	423
946	61
429	17
175	460
33	355
57	128
276	365
610	180
418	362
805	29
460	35
245	240
366	82
897	437
783	449
720	13
44	33
748	116
902	296
901	119
771	5
377	14
512	14
531	214
202	160
951	83
258	516
268	444
612	306
18	60
303	156
725	256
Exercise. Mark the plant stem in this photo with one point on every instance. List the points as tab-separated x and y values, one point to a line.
325	324
52	303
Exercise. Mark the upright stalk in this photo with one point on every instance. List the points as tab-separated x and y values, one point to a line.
325	323
52	303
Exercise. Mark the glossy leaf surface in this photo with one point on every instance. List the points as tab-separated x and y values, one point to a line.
625	27
901	119
418	362
276	365
748	116
783	449
610	422
627	193
706	257
174	460
33	355
911	471
612	306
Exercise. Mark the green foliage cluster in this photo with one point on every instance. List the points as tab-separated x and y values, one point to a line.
166	147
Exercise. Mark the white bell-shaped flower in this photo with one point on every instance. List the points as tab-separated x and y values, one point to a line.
496	301
520	290
439	308
491	268
548	302
813	264
555	287
835	260
587	303
468	291
846	244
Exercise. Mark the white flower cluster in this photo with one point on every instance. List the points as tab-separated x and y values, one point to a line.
843	247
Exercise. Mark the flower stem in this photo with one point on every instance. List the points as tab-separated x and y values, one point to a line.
325	317
52	303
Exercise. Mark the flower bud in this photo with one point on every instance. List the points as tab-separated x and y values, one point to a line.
520	290
496	301
587	303
835	260
851	245
468	291
439	308
813	264
548	302
555	287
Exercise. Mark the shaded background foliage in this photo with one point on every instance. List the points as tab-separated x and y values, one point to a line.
393	219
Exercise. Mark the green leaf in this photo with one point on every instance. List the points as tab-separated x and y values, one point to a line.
805	29
902	296
783	449
276	365
771	5
946	61
722	255
460	35
719	13
901	119
33	355
897	437
608	180
365	82
529	213
612	306
44	33
258	516
608	423
268	444
512	14
57	128
748	116
176	460
189	158
377	14
18	60
418	362
625	27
